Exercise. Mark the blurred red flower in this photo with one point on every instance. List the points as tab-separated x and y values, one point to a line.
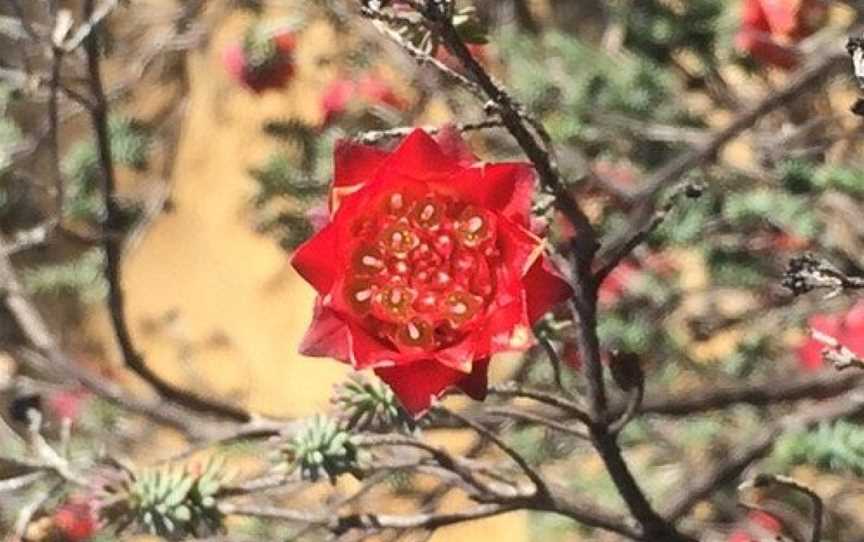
761	523
770	29
427	267
368	90
264	60
75	521
67	403
847	328
617	283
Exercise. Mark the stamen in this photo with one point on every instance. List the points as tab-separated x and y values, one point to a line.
372	261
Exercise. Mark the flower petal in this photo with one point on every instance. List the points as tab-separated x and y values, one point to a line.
417	384
327	336
519	247
368	352
315	260
420	157
356	164
508	329
506	187
544	288
476	384
451	143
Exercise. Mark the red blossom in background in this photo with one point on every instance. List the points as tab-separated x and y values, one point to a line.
847	328
262	61
761	523
343	94
617	283
428	266
67	403
770	29
75	521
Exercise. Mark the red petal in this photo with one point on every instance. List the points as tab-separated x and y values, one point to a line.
355	164
451	143
315	259
476	384
420	157
460	356
519	247
327	335
508	329
762	47
418	383
753	16
506	187
368	352
544	288
782	15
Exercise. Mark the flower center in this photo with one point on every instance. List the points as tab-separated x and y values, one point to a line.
420	273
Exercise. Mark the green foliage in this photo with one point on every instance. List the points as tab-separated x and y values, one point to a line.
657	29
10	133
627	332
834	447
174	502
790	212
302	135
371	406
577	88
323	448
736	267
81	277
280	177
286	189
130	147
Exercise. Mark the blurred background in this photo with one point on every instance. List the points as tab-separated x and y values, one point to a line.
223	118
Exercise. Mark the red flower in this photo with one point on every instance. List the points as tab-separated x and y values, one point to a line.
75	521
617	283
427	268
761	523
367	91
263	61
770	29
67	403
847	328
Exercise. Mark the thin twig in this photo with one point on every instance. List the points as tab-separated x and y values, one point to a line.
533	474
644	214
371	138
754	448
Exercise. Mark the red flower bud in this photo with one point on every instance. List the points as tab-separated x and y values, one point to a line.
75	521
368	90
262	61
